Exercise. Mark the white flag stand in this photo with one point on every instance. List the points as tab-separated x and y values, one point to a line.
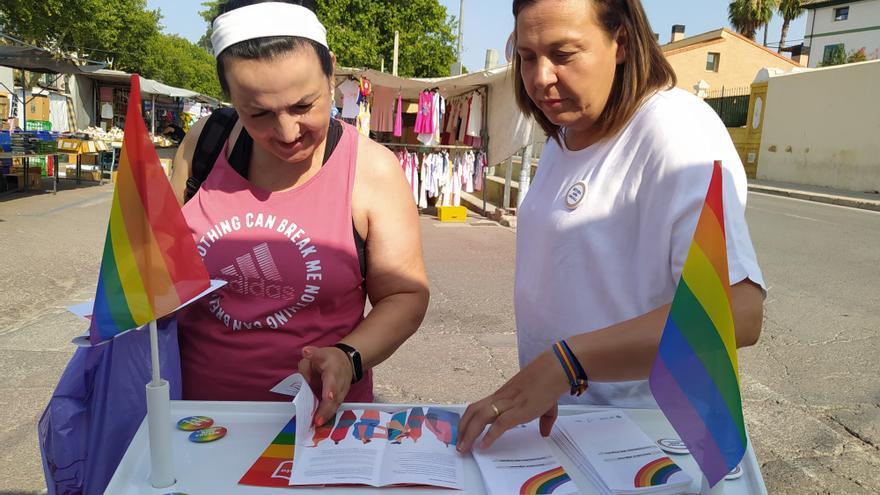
159	409
159	420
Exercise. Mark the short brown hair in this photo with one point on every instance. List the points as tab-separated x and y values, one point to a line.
643	71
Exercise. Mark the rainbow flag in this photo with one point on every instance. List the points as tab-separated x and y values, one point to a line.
150	265
695	377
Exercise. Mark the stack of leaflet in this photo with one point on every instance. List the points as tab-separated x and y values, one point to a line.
617	456
521	462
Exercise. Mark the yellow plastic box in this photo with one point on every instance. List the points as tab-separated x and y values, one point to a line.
452	213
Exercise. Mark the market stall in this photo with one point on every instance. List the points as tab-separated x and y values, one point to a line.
445	131
26	148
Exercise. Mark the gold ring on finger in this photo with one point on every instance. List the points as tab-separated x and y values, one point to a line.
495	410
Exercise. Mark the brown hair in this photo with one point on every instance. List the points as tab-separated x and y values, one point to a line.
643	71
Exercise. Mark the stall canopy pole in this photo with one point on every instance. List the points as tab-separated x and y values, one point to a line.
153	116
396	52
23	105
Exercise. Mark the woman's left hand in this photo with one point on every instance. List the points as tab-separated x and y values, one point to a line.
531	393
330	369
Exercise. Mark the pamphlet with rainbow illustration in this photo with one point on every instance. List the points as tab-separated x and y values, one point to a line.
617	456
411	446
521	462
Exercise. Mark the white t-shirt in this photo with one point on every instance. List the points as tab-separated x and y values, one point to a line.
350	90
620	253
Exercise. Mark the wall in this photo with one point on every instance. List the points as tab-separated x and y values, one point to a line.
864	18
748	139
740	61
82	91
821	128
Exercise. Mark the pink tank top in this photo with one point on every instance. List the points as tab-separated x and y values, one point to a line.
294	279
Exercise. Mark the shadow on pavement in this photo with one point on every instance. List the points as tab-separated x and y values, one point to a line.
46	188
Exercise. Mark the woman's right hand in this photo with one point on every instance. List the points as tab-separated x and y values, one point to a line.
531	393
328	370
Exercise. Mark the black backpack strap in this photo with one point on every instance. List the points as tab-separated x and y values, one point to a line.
209	146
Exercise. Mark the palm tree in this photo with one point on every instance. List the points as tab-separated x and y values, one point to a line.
764	14
747	16
741	16
789	10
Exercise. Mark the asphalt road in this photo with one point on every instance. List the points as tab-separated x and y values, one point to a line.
811	386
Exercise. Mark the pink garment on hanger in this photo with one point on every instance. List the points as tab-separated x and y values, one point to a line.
398	121
425	117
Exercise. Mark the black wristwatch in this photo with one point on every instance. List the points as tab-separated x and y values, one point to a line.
354	357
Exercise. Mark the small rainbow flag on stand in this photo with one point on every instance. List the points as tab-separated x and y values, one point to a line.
150	264
695	377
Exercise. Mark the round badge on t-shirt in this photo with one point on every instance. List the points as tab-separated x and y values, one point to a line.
575	194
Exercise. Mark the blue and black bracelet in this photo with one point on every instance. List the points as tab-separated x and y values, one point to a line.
575	373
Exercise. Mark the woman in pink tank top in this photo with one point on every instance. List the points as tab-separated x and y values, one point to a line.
285	233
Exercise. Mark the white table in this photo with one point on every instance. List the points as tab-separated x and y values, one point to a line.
215	468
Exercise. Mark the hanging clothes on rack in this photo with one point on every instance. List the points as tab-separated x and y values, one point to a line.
425	115
382	112
363	118
350	89
475	115
430	129
398	120
442	174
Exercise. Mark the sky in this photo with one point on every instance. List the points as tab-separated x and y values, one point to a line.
488	23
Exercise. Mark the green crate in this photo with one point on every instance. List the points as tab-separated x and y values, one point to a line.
40	162
38	125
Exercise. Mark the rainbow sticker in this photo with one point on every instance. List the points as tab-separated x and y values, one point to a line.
656	473
208	434
545	482
275	464
194	423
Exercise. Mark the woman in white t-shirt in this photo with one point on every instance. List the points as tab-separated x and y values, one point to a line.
604	231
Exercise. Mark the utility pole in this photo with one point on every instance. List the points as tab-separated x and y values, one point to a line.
396	50
460	36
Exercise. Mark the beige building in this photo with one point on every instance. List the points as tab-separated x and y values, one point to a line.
719	59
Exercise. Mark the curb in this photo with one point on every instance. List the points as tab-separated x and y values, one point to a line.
475	204
862	204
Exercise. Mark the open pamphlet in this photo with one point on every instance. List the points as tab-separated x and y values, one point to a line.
520	461
617	456
412	446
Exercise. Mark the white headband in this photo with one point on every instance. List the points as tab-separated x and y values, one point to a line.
266	19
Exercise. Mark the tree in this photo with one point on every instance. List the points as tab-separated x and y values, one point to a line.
211	9
740	14
178	62
116	31
789	10
764	14
747	16
361	34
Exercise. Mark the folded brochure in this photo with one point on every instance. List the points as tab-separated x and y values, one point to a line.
521	461
617	456
412	446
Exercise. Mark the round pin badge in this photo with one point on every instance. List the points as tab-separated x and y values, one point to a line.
208	434
735	474
193	423
575	194
673	446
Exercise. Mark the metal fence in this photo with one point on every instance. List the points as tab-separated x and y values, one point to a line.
731	104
